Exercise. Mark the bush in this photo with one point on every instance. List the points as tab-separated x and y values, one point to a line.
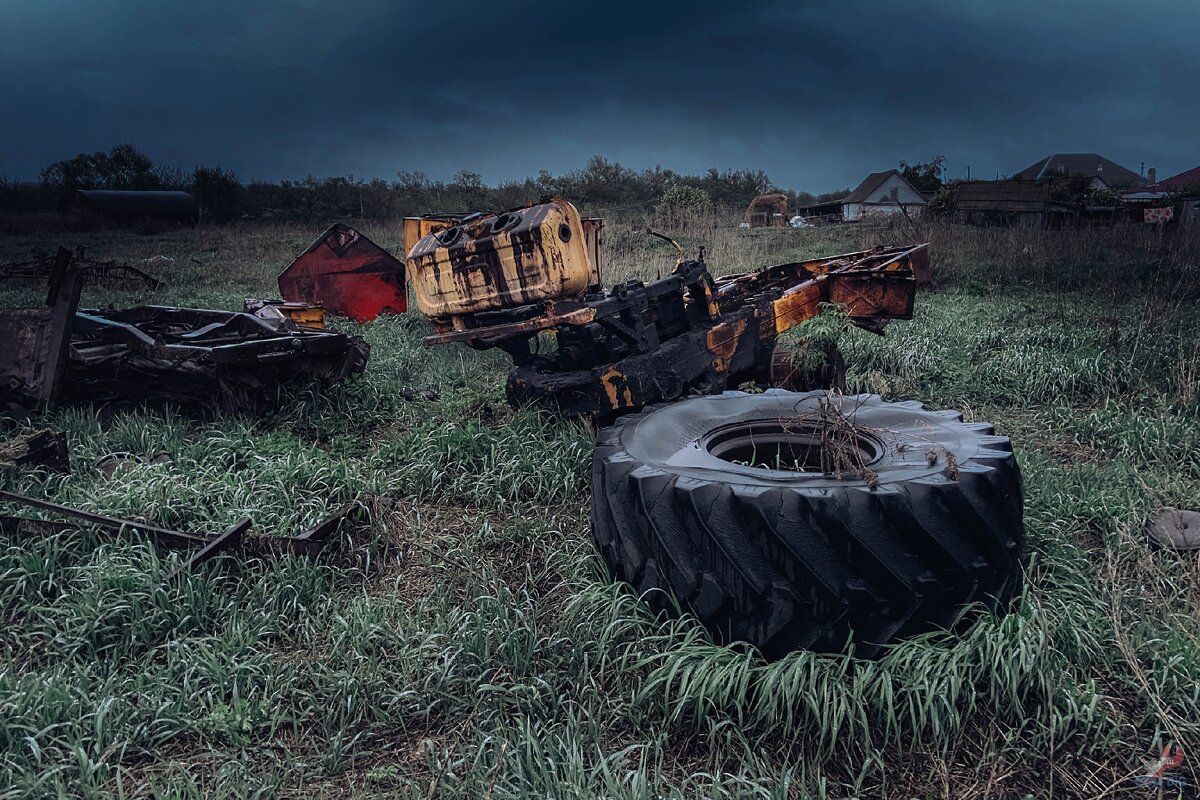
219	192
684	198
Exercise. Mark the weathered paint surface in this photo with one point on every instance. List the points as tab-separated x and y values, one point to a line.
347	274
489	262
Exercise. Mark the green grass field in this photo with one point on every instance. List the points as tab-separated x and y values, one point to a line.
466	642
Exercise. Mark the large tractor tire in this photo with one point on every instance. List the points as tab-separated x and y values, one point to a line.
809	520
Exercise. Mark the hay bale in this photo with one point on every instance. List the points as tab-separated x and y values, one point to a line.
768	209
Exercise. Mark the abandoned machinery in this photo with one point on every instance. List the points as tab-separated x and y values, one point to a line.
501	280
187	355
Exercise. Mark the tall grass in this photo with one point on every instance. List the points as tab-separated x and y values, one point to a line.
465	641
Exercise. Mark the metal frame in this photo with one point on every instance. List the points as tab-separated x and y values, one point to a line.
689	332
228	358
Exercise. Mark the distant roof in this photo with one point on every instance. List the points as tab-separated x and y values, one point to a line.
1184	180
1001	196
1089	165
869	185
130	202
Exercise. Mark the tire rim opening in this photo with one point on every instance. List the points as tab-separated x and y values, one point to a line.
794	445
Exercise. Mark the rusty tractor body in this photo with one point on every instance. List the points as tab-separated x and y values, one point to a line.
235	360
502	261
501	280
417	229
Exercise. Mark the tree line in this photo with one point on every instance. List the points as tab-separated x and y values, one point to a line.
600	186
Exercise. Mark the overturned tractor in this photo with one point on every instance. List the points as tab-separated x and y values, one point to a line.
504	280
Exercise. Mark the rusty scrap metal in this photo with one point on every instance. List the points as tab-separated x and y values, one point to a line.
494	263
348	275
502	280
36	448
115	524
311	541
34	341
109	274
218	544
303	314
417	228
306	543
232	359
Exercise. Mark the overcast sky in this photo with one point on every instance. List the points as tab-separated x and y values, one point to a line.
815	93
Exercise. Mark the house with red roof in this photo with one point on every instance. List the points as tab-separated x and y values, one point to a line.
1176	198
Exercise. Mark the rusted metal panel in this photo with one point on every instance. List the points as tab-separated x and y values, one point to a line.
874	297
417	228
33	341
593	236
347	274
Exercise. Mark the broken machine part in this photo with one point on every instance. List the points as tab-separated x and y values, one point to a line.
235	360
1175	529
306	543
36	448
502	280
109	274
348	275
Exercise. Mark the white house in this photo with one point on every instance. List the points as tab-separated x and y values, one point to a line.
882	193
879	193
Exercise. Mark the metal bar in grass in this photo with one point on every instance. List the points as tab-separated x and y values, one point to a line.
218	544
168	536
307	543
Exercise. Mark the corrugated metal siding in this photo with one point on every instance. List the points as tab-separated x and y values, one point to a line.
1001	196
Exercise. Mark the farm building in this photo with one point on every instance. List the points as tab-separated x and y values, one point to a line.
1176	198
127	207
879	193
1103	172
1025	204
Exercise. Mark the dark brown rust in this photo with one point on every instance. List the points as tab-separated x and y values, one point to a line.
36	448
34	341
686	333
231	359
216	545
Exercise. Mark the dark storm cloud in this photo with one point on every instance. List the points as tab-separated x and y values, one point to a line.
817	94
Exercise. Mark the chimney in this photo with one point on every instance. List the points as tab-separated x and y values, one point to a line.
1152	176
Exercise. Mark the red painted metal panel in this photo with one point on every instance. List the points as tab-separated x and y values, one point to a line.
348	274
